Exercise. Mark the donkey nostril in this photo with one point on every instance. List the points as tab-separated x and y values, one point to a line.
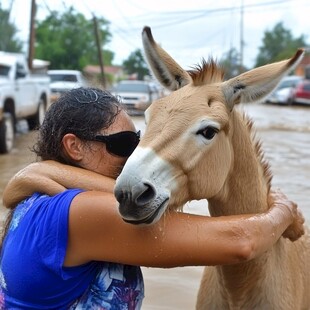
121	196
140	194
147	193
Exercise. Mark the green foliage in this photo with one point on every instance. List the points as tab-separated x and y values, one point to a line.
230	62
278	44
68	40
135	63
8	42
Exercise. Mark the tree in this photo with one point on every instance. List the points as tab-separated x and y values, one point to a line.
135	64
278	44
68	40
8	40
230	62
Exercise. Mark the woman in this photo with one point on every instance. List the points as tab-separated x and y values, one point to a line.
72	250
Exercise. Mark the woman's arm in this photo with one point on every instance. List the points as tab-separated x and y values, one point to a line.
97	232
51	177
178	239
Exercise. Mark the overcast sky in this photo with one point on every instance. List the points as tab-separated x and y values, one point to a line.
188	30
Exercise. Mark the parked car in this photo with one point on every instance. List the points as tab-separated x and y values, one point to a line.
301	93
23	95
137	95
283	93
64	80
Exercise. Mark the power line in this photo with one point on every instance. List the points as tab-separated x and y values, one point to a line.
47	7
196	14
224	9
178	17
92	13
128	28
127	20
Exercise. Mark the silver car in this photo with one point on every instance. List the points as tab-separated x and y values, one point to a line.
284	91
136	95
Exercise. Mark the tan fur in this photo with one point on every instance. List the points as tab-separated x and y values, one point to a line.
231	173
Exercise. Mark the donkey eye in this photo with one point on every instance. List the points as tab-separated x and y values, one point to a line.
208	132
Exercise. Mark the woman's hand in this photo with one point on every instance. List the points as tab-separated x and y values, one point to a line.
296	229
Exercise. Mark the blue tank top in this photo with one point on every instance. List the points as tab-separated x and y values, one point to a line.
32	275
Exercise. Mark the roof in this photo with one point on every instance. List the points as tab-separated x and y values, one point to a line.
39	63
64	71
305	60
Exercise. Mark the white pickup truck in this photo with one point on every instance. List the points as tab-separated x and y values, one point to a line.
64	80
23	95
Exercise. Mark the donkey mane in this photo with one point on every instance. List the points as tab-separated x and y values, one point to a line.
267	174
206	73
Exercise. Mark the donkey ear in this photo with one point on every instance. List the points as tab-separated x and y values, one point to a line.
165	69
256	84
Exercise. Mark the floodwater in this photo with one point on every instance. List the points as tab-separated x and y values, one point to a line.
285	134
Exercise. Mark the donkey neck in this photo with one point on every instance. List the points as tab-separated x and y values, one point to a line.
247	185
245	191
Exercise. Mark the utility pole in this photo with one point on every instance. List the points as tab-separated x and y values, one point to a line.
11	5
241	38
98	41
32	35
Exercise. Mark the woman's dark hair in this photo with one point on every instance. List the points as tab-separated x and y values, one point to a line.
80	111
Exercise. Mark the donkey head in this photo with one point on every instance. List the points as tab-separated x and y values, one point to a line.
186	152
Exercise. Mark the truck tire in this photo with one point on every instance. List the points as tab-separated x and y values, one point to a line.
7	133
36	120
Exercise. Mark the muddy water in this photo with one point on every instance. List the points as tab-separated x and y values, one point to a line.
285	133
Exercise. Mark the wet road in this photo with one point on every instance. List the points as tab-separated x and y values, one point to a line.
17	159
285	133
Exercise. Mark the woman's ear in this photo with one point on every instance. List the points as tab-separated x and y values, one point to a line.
73	146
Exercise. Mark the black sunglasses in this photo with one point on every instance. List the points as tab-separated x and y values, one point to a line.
121	144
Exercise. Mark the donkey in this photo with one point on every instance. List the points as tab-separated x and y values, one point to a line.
197	146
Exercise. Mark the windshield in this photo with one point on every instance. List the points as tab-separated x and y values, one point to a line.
133	88
289	83
63	77
4	70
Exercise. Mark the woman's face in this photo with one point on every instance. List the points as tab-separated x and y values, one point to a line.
96	157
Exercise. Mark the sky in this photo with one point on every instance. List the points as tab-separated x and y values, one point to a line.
187	30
